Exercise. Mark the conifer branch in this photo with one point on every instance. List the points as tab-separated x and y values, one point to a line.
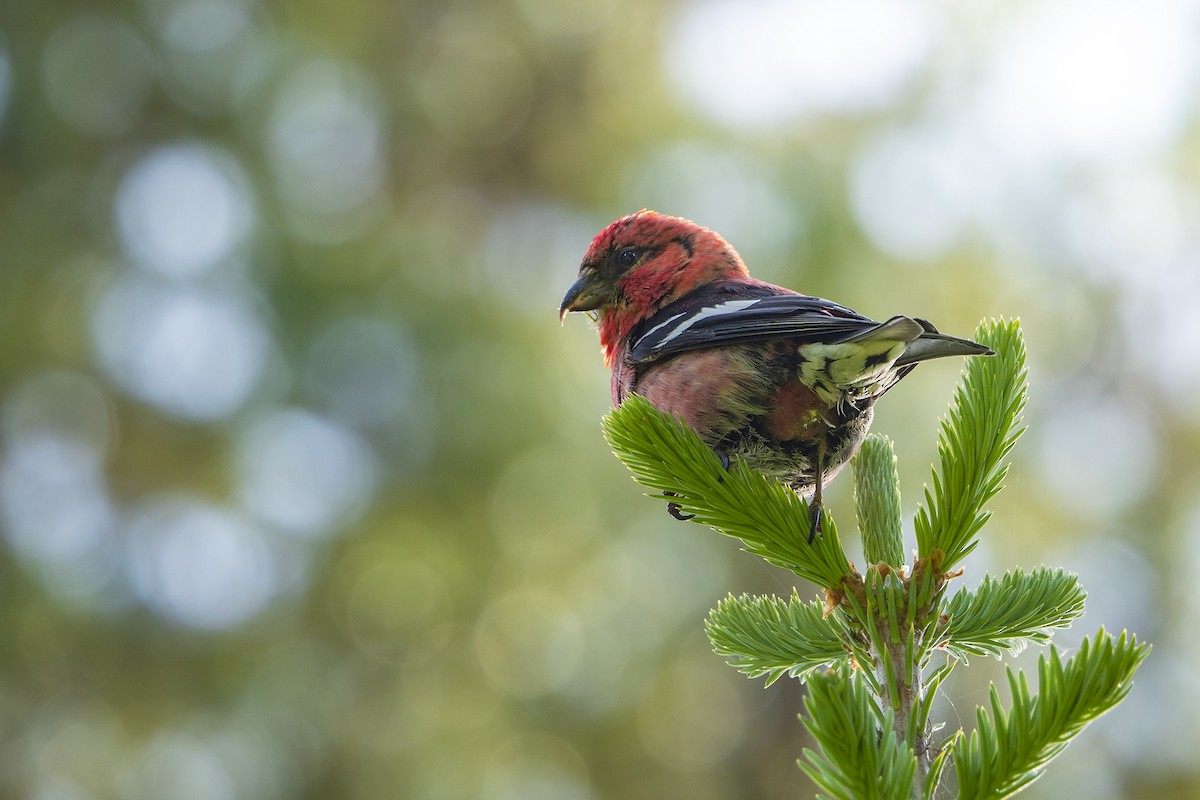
980	428
775	637
865	652
1010	748
668	457
1012	612
858	759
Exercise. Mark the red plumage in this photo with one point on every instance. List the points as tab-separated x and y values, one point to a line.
785	381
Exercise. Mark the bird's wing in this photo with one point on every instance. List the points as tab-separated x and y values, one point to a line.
680	327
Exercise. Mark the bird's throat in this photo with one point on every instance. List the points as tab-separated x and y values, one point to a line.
615	326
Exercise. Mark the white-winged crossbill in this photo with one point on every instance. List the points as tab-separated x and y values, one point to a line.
782	380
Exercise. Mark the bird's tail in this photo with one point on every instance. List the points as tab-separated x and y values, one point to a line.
932	344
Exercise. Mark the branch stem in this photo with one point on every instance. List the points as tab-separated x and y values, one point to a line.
902	673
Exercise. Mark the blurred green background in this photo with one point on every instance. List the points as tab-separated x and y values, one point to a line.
303	490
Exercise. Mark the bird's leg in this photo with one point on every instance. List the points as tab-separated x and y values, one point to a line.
816	506
815	512
674	510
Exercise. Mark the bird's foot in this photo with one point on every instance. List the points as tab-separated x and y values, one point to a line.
674	509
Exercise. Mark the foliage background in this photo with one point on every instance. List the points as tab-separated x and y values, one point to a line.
302	487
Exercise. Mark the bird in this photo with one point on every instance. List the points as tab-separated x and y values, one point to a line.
784	381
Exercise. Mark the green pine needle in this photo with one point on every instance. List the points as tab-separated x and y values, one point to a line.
1010	748
1012	612
979	430
859	760
665	455
774	637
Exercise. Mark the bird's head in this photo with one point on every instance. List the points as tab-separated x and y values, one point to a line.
642	262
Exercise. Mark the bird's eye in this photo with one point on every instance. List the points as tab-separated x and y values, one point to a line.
627	258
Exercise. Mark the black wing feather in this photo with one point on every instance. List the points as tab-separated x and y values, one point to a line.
739	320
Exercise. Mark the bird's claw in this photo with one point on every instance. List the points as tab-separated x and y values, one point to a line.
815	512
674	509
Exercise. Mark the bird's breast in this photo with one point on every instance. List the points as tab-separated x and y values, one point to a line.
710	390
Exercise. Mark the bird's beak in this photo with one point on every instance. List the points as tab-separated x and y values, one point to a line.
582	296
